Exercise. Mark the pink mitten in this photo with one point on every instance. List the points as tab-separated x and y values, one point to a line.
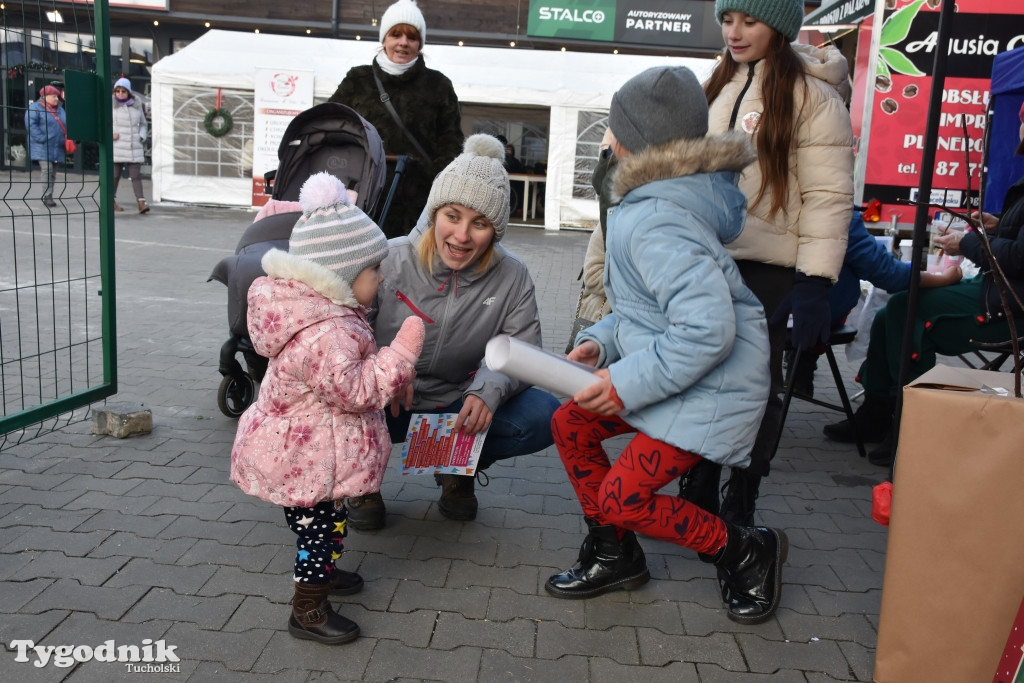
409	340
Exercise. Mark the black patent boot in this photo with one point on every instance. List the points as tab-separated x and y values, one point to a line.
605	564
750	564
739	495
313	618
700	485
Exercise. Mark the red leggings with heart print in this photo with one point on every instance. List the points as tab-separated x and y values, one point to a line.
625	494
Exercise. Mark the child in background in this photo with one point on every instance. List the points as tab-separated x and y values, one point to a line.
683	355
316	434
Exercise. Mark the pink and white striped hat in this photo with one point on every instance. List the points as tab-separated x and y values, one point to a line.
332	232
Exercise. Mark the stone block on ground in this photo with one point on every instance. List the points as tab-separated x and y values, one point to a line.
121	420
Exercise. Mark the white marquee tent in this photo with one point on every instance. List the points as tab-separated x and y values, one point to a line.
566	83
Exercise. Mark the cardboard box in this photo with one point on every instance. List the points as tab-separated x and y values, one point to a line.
954	570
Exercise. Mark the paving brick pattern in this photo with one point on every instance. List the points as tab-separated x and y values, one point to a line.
102	538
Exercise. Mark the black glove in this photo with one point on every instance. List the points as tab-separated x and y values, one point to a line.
812	319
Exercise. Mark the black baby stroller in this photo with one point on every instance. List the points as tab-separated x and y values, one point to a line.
328	137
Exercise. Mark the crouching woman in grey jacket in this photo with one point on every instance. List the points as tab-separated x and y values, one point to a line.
467	289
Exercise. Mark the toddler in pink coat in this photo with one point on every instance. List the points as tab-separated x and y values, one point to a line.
316	434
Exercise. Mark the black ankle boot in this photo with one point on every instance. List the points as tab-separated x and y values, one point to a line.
605	564
738	496
751	566
700	485
873	419
884	453
313	618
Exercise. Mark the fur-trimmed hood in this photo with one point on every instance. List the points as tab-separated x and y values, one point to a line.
282	265
731	152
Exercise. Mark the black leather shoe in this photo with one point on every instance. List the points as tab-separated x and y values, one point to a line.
366	513
873	419
345	583
458	498
605	564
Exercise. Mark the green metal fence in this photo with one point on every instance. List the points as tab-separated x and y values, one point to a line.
57	331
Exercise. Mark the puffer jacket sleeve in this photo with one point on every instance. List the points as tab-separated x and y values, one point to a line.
593	302
824	167
522	321
347	380
692	293
872	262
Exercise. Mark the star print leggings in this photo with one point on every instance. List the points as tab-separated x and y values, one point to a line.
321	532
624	494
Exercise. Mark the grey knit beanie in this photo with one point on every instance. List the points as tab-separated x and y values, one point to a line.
785	16
333	233
476	179
656	106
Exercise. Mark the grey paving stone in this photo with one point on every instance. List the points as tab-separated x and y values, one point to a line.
249	558
607	671
412	629
155	488
249	512
99	500
87	482
14	497
766	655
229	580
521	578
847	627
40	482
115	520
710	673
619	643
164	603
147	470
57	565
660	649
412	595
515	637
346	662
257	612
56	519
213	671
192	527
172	506
145	572
237	651
34	627
392	660
662	615
105	603
432	573
860	657
70	543
131	545
834	603
505	605
498	665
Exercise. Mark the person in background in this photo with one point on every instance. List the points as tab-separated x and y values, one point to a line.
790	100
316	433
866	259
948	321
594	302
683	355
453	273
423	100
130	131
46	123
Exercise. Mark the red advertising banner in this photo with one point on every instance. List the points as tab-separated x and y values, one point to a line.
899	90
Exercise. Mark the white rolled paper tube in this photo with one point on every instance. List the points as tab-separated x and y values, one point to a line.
536	366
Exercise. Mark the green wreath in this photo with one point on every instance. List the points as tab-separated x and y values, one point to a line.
226	122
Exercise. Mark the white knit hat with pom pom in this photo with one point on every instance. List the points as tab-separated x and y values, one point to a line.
403	12
476	179
332	232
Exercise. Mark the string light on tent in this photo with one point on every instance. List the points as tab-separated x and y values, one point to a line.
512	43
461	43
156	22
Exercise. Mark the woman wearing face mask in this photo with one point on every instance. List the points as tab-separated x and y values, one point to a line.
423	100
789	98
129	140
46	124
467	288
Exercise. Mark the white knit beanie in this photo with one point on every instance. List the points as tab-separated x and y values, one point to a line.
477	179
404	12
333	233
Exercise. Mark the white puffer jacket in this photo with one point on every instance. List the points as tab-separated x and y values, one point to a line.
131	128
810	234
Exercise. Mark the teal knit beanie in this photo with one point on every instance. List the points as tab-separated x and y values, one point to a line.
785	16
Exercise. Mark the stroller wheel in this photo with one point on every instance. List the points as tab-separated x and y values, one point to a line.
234	396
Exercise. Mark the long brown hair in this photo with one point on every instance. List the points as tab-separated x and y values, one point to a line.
783	73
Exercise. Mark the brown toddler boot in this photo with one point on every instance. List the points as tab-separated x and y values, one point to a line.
313	618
